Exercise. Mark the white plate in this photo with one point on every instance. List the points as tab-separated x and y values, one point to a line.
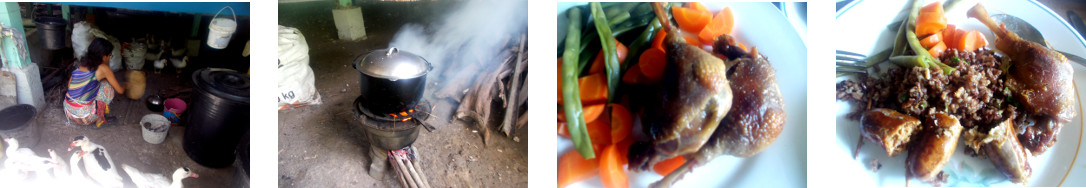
862	28
783	164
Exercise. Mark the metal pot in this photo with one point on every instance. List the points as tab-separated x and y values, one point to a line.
391	81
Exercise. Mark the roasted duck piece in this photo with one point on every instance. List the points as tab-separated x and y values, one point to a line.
694	96
755	120
936	145
888	128
1039	78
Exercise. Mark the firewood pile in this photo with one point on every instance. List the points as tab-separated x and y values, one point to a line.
499	89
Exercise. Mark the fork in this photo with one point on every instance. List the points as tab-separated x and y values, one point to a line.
856	63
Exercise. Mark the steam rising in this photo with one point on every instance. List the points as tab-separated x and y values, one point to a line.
474	33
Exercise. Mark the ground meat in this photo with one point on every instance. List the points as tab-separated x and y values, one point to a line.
974	92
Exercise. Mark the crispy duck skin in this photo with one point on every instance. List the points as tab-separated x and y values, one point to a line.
1039	78
694	96
936	144
888	128
754	122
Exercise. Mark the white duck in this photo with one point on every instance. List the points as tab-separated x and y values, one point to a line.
146	180
98	162
179	63
25	160
160	64
61	169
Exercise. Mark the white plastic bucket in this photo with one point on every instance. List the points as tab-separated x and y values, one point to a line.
221	29
154	128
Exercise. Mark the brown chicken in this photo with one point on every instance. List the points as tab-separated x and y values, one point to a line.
935	147
694	96
1039	78
755	120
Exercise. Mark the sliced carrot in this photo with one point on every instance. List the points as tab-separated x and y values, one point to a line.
969	41
667	166
597	64
559	80
658	41
692	41
698	7
936	7
981	41
928	23
563	129
573	168
621	123
592	112
600	130
593	88
948	36
624	149
707	36
611	171
652	63
690	20
931	40
959	33
632	75
561	115
937	50
741	46
722	22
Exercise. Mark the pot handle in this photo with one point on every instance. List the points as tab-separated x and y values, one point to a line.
391	51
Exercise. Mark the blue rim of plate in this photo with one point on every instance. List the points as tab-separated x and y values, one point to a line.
1080	40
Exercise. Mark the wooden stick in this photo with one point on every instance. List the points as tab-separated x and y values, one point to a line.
511	108
422	173
403	168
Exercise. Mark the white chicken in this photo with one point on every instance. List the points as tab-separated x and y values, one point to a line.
24	160
60	170
147	180
98	162
179	63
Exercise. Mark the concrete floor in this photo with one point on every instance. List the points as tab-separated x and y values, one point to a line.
317	147
125	141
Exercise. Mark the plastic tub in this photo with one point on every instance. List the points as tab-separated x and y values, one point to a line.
155	128
18	122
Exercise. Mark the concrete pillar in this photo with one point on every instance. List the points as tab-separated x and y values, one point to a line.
349	23
10	17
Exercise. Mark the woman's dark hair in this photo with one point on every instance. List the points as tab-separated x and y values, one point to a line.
98	48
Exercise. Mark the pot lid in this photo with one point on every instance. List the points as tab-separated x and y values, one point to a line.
392	64
224	83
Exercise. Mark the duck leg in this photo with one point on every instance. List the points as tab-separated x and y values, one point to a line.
1038	77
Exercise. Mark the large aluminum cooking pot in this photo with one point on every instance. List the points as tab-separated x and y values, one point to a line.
391	80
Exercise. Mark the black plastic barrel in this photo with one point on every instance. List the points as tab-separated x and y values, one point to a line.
52	32
217	117
18	122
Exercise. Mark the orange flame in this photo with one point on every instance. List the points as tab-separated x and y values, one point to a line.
406	119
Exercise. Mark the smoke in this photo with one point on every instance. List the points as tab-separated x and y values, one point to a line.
473	33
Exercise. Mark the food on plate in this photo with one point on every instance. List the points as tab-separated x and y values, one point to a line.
1040	79
889	129
693	89
1005	106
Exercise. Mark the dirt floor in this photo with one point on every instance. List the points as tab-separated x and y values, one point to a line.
318	147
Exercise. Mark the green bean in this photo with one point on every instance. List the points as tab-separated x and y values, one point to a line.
610	54
914	42
578	131
900	42
639	44
620	18
877	58
908	60
614	11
